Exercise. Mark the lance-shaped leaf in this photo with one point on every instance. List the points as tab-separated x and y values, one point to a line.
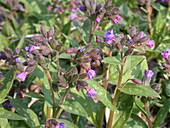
7	83
139	90
111	60
67	123
102	94
10	115
162	114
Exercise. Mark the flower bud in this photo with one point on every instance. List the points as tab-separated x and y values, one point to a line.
83	76
8	50
96	57
50	33
29	55
156	87
46	52
128	52
30	68
71	50
1	75
150	43
4	55
99	6
143	39
29	62
84	66
40	58
137	36
61	79
38	38
43	31
108	3
16	51
136	81
82	82
132	31
64	85
87	4
78	87
165	65
84	60
93	51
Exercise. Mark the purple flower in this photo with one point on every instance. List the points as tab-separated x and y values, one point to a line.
115	21
164	0
91	73
8	104
166	53
149	73
91	92
82	7
98	39
73	16
31	47
22	75
18	61
56	42
98	19
74	9
60	125
150	43
118	17
142	34
21	7
109	36
57	7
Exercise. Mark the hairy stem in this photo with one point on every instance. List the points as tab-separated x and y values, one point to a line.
61	102
148	111
149	9
117	93
52	92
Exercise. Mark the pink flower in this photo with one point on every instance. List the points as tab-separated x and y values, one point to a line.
118	17
71	50
166	53
22	75
49	8
98	19
115	21
91	92
73	16
150	43
149	73
91	73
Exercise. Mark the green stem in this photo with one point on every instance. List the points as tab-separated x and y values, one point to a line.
92	29
148	111
117	93
61	102
52	92
105	84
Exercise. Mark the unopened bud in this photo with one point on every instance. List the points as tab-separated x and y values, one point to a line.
82	82
78	87
84	66
46	52
136	81
29	62
29	55
40	58
30	68
156	87
71	50
1	75
83	60
38	38
43	31
61	79
137	36
83	76
128	52
133	31
64	85
99	6
16	51
165	65
4	55
108	3
8	50
96	57
87	4
50	33
143	39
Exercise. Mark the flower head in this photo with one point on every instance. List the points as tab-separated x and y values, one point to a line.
74	9
149	73
73	16
166	53
91	92
150	43
164	0
91	73
22	75
98	19
109	36
82	7
60	125
31	48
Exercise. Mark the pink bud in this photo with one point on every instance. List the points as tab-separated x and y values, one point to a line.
136	81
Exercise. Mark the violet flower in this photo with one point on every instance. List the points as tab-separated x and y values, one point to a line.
115	21
22	75
21	7
8	104
149	73
164	0
91	92
166	53
74	9
31	48
73	16
150	43
91	73
60	125
82	7
109	36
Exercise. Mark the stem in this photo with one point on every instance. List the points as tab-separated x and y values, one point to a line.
149	9
76	120
148	111
92	29
61	102
105	84
52	92
117	93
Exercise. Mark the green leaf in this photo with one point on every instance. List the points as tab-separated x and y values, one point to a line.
21	108
88	104
73	41
4	41
98	33
4	123
123	112
10	115
39	72
139	90
73	107
68	124
161	114
86	28
34	95
2	100
102	94
111	60
135	122
7	83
